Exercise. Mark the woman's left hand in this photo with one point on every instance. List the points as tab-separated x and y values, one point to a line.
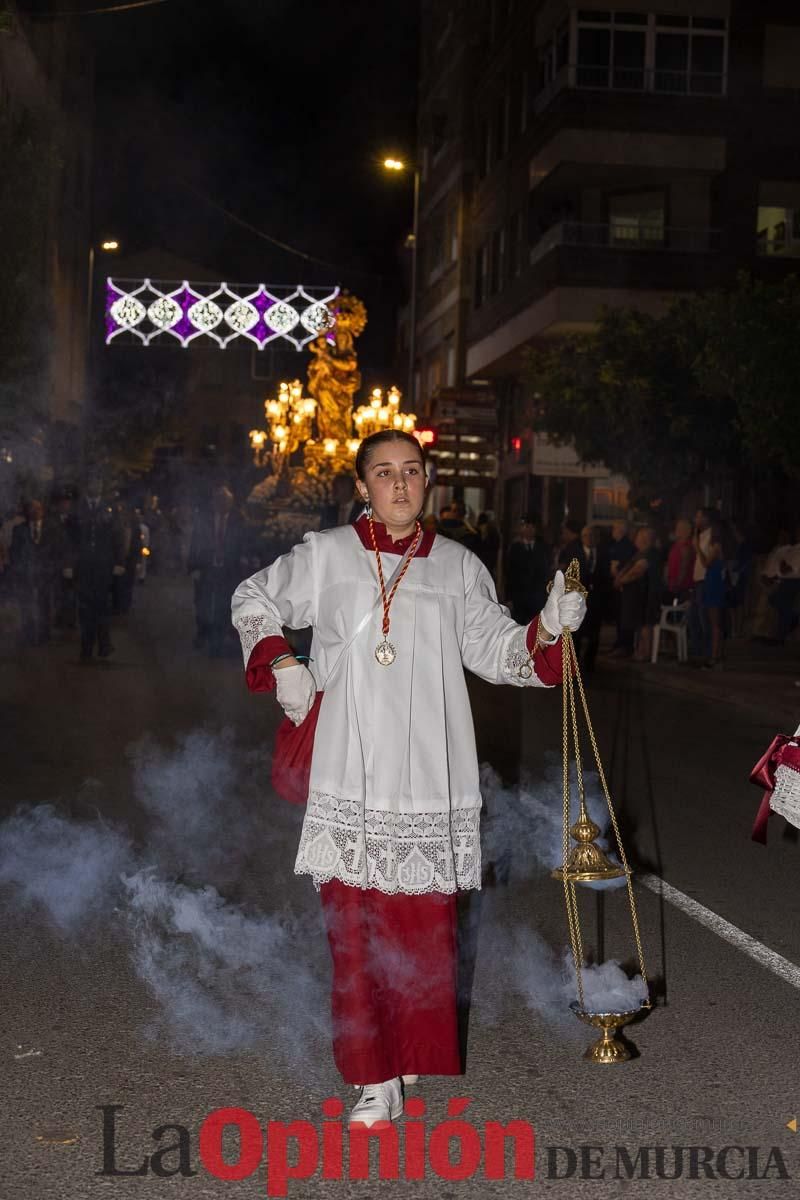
563	609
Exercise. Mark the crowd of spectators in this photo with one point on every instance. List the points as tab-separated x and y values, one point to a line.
74	563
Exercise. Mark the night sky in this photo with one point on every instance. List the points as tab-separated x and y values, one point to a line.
278	110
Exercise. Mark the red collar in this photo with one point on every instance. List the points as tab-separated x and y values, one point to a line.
385	543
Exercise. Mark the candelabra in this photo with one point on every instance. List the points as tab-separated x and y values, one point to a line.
382	414
289	417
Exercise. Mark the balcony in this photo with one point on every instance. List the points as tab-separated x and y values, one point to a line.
576	270
626	235
606	78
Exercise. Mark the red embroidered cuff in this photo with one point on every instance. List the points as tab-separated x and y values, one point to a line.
258	673
548	661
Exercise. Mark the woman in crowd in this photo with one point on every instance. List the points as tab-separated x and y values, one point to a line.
713	555
640	587
680	562
391	827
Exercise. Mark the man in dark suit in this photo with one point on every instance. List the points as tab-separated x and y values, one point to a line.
65	596
345	507
99	556
527	570
587	639
572	547
217	562
33	557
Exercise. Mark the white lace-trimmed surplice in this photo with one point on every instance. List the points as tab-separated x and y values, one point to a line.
394	798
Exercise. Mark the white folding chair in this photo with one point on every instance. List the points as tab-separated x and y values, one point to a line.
675	620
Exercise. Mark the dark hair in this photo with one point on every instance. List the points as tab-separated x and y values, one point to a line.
573	527
377	439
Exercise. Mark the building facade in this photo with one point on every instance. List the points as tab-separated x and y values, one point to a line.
46	107
587	157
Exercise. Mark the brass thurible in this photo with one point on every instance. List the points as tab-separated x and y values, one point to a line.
584	861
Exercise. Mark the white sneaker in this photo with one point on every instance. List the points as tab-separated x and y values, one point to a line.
408	1081
378	1102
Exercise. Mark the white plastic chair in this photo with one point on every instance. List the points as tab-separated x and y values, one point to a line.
675	620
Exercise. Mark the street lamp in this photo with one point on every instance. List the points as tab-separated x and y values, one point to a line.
109	246
398	165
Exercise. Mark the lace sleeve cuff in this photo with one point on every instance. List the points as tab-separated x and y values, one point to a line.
523	668
259	649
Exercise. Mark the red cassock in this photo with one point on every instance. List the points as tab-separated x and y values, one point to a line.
395	960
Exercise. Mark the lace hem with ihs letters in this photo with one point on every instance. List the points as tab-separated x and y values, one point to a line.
391	852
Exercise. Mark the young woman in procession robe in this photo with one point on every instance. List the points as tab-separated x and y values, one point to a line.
391	827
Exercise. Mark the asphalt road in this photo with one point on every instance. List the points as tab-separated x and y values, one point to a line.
172	1000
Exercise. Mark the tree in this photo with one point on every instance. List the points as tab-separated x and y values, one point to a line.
749	351
668	400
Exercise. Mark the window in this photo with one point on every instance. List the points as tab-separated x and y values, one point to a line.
636	217
778	231
481	273
451	363
452	232
435	242
689	55
497	261
633	51
781	56
516	230
554	55
484	149
434	376
438	132
500	137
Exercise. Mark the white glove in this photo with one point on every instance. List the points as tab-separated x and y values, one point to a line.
67	572
118	570
563	609
296	689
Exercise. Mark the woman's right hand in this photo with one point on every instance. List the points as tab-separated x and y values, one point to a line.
296	690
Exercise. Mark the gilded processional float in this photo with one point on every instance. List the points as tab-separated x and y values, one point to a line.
314	430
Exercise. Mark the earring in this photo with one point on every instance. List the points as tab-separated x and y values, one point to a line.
368	510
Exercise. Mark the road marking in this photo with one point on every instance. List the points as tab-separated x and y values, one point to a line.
788	971
792	1124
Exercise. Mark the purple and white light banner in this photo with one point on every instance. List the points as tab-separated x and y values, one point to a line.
158	309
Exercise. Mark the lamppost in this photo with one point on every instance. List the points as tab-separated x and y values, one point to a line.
110	246
397	164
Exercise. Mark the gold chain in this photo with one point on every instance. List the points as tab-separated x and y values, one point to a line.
570	897
569	718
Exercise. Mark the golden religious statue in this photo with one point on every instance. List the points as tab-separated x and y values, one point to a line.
333	374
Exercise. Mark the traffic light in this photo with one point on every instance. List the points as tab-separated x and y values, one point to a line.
427	436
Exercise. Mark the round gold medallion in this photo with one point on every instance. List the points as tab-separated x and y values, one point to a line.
385	653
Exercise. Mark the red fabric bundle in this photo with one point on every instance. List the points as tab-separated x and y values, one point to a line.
291	755
779	753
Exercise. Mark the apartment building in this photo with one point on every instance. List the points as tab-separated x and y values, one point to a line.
589	156
46	84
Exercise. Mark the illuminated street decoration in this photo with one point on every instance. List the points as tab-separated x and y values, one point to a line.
150	311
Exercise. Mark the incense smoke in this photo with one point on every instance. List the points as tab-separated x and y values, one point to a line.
225	978
228	976
72	871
